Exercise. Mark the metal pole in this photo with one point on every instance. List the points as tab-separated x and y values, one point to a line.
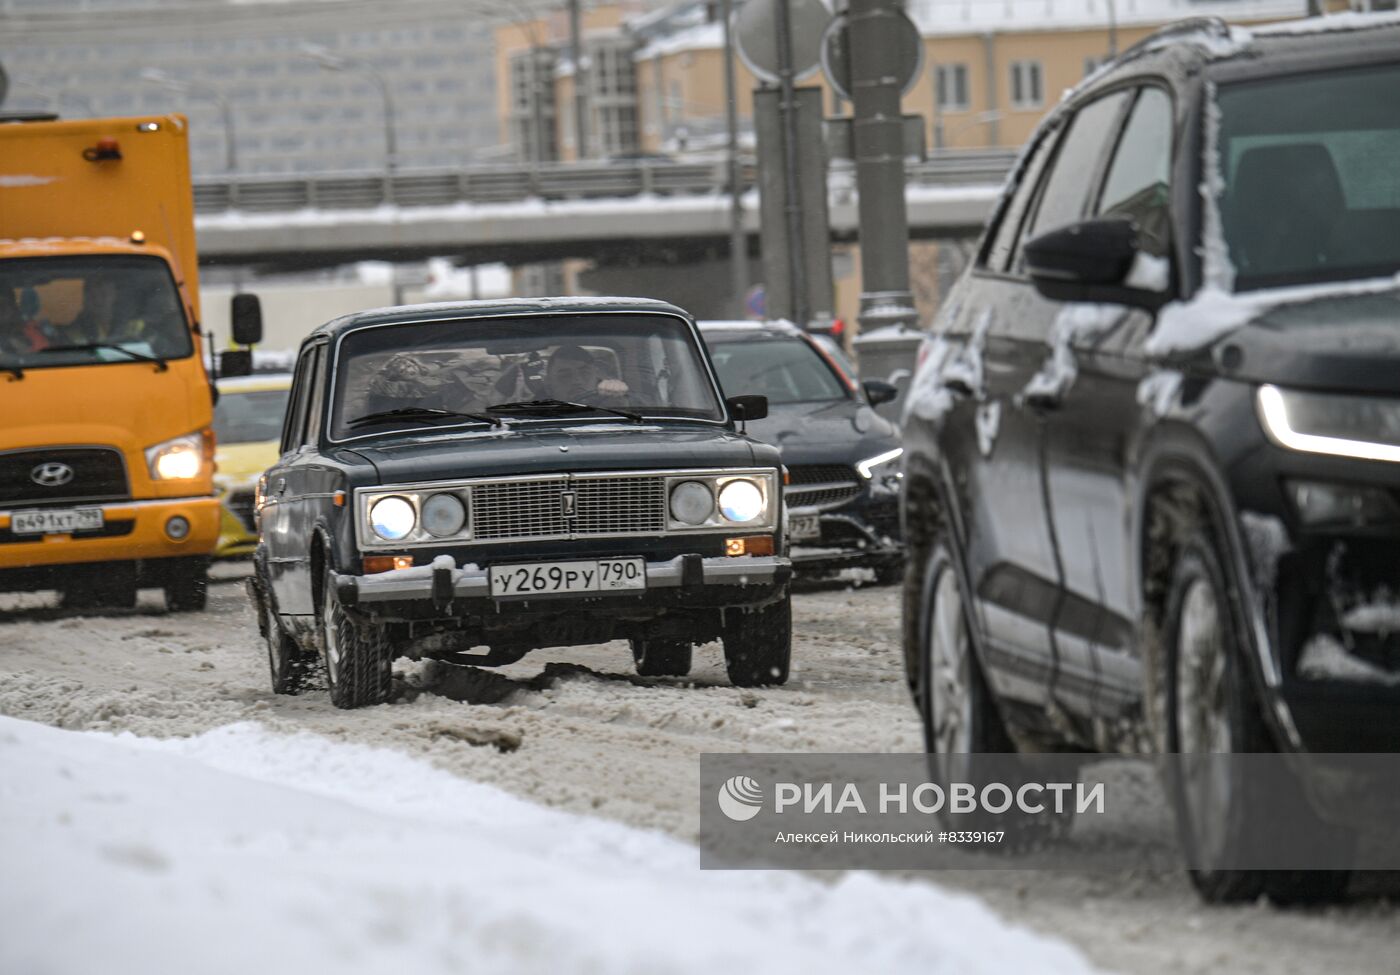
391	146
738	240
878	134
787	108
230	143
1112	30
580	81
537	102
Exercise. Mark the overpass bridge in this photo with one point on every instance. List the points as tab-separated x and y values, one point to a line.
603	211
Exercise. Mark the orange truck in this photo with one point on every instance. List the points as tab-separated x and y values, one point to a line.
106	445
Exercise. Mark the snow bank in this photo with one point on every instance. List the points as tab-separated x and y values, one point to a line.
242	851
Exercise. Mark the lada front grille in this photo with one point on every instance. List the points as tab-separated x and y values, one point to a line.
568	505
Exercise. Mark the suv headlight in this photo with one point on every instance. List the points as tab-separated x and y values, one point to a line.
1363	427
870	466
180	458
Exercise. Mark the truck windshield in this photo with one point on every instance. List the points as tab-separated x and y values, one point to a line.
77	311
527	369
1311	188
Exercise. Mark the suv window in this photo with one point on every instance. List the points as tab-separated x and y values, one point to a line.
1139	177
1003	234
1065	191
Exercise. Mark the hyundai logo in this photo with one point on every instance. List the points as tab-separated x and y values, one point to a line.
51	475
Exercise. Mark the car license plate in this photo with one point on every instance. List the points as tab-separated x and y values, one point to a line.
55	521
802	528
549	578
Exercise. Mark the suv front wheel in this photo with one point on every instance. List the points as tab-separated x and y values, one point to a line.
358	663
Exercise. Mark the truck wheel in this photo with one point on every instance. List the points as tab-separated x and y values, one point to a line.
358	666
291	666
1212	709
187	588
661	658
758	644
115	590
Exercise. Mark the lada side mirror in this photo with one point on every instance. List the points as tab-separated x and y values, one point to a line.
746	408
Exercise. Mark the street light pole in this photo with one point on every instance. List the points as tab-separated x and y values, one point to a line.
336	62
158	77
580	80
738	240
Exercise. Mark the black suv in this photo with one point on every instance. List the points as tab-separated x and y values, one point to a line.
1152	469
471	481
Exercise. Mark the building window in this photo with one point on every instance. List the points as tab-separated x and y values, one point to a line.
1027	86
952	87
533	133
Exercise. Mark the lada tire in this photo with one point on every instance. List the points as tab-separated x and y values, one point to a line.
758	644
661	658
1212	708
356	655
291	666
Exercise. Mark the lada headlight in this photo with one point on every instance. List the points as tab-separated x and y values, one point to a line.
392	518
741	501
692	502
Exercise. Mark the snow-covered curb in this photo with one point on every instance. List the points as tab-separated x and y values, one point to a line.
243	851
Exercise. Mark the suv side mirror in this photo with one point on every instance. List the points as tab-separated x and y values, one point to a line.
745	408
878	391
245	314
1091	260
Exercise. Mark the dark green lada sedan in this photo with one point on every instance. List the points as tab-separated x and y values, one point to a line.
474	480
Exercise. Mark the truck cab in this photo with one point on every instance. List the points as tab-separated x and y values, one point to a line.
106	440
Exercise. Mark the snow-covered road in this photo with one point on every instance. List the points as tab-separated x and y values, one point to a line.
576	731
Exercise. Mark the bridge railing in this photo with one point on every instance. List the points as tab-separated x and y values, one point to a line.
486	184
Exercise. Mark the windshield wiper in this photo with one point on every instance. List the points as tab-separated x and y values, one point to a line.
160	363
560	406
422	413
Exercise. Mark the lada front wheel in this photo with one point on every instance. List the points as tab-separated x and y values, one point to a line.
661	658
356	655
758	644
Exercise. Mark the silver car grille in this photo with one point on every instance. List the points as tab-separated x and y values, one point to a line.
563	506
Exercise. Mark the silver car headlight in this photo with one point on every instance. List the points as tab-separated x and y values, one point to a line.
1362	427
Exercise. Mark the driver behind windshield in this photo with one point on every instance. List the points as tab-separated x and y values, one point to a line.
573	376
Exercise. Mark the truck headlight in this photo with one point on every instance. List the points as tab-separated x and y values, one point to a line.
692	502
1363	427
740	501
179	459
392	518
